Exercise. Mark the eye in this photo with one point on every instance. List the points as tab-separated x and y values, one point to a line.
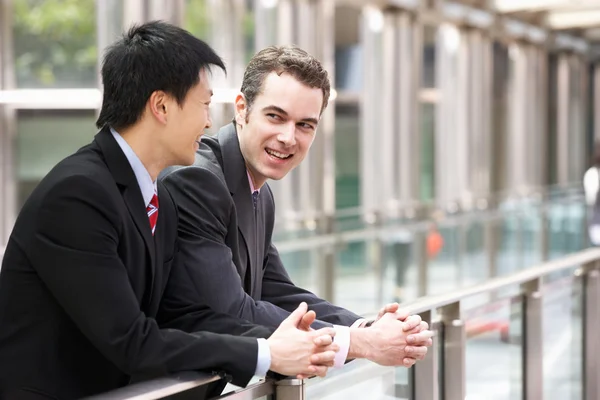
274	117
306	126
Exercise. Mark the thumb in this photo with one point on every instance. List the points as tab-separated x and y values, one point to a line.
392	307
307	320
296	316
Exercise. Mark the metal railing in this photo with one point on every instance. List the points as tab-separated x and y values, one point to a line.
440	377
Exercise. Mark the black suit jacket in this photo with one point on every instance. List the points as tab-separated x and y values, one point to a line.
89	298
226	245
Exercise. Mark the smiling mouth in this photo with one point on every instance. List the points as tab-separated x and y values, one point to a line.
278	155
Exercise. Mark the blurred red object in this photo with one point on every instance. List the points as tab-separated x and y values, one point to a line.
435	243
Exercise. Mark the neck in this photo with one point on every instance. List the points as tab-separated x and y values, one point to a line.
147	151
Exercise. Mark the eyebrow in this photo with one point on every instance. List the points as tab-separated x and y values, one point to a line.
283	112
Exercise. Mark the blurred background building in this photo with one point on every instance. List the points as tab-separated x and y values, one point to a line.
452	151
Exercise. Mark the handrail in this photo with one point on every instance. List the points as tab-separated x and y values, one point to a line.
159	388
497	197
436	301
162	387
383	232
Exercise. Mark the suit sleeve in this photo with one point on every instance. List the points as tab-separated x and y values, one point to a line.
277	288
78	228
204	206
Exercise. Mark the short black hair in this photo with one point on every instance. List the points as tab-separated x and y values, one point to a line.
150	57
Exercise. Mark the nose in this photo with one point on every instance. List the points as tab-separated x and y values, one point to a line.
287	135
208	121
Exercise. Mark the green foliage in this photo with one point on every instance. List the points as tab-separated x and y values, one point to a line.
197	19
55	43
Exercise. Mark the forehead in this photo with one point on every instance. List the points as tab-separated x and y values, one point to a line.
288	93
203	87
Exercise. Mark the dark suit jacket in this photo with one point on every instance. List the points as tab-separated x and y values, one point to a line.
89	298
226	245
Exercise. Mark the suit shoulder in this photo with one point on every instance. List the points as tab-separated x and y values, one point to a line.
85	167
206	167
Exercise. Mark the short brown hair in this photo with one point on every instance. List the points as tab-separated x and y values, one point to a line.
289	59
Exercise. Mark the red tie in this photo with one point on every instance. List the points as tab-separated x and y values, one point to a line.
152	210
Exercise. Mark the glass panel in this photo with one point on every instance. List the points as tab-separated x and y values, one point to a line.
427	168
400	278
55	43
347	159
562	337
299	265
348	50
197	19
473	263
357	380
444	272
531	224
493	333
500	157
43	139
356	282
509	246
429	57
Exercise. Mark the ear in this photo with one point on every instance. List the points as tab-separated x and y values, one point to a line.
159	105
240	109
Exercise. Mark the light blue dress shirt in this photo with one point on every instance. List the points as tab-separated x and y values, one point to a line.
148	188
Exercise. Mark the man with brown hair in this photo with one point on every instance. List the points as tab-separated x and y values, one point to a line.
226	211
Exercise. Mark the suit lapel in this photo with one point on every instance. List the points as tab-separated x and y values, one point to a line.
236	176
132	195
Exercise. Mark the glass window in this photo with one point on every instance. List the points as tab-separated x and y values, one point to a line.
55	43
197	19
347	155
43	139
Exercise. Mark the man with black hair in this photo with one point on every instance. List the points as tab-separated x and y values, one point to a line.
91	294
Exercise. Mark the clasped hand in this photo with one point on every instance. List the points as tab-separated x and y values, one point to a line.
398	338
296	350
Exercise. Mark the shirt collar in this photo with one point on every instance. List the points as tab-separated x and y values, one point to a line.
144	180
252	189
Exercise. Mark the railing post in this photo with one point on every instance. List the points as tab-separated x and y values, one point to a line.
455	345
591	327
533	355
425	372
289	389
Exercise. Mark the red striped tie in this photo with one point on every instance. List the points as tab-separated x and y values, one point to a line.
152	210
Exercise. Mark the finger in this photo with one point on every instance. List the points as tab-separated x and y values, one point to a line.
419	338
293	320
391	307
401	314
415	352
323	331
324	358
307	320
423	326
304	376
408	362
323	340
316	370
411	322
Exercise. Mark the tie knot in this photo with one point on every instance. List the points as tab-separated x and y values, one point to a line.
154	201
255	198
152	211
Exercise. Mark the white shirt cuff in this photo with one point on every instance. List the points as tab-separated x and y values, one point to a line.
357	323
342	338
263	361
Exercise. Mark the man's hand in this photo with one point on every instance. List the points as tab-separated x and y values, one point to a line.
391	341
296	352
